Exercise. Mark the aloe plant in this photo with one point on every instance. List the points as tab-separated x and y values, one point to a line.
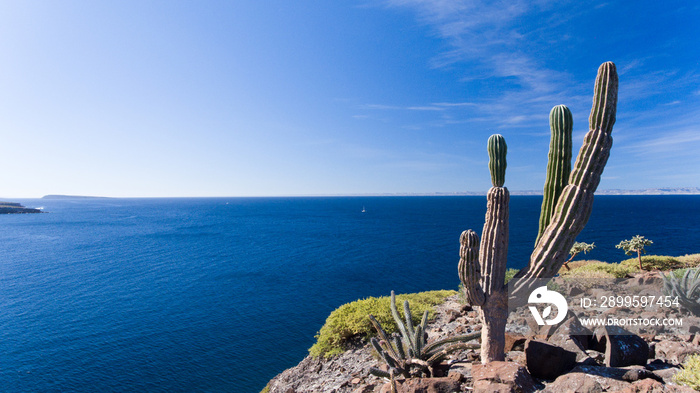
409	354
686	288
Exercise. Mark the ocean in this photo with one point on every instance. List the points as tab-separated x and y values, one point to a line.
222	294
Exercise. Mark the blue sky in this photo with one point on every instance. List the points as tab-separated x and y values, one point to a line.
247	98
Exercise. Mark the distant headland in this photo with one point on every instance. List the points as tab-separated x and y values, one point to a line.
71	197
16	208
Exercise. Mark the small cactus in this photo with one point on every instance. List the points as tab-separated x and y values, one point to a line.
409	354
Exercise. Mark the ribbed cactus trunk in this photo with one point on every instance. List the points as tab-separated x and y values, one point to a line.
576	201
483	277
492	254
561	123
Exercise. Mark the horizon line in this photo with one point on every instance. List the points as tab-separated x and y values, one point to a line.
645	191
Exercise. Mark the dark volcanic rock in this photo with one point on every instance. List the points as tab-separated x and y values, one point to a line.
547	361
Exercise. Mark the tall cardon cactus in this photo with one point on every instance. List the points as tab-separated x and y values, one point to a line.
566	208
483	277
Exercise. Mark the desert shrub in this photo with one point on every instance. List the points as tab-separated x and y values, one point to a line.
510	273
599	270
352	319
655	262
690	260
690	375
573	265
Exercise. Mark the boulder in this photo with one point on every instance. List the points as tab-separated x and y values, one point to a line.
621	347
502	377
589	379
572	328
547	361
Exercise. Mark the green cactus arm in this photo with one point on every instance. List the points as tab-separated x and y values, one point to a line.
423	326
399	347
440	355
377	372
497	149
469	268
576	201
435	345
384	337
417	339
595	151
409	326
559	164
397	317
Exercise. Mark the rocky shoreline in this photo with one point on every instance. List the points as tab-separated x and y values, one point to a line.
16	208
552	360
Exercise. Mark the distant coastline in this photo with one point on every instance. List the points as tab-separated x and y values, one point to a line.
646	191
16	208
72	197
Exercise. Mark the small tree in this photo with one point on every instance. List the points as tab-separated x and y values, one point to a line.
636	244
577	248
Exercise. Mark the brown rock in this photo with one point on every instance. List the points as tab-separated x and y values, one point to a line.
547	361
652	386
502	377
364	389
574	383
460	371
424	385
515	342
589	379
675	351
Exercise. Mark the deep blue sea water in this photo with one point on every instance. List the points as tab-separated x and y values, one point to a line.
221	294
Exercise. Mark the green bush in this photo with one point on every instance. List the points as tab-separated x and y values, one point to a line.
690	375
655	262
691	260
510	273
599	270
351	319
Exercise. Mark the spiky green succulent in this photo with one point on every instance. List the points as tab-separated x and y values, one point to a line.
686	288
409	354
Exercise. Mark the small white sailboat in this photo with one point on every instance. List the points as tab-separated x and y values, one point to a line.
363	210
